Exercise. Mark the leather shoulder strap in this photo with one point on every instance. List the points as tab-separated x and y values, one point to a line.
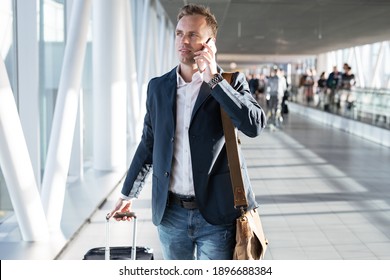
232	150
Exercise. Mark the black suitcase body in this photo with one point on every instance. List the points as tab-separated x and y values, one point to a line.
120	252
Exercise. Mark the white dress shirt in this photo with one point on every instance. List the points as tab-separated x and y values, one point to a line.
181	177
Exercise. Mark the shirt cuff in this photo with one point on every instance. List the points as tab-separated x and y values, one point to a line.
125	197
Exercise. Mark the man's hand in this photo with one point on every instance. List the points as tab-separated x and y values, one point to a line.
121	206
206	58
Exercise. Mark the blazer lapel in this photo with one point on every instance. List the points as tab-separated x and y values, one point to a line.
171	89
204	93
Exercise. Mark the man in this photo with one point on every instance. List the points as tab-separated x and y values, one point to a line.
277	86
333	83
254	84
192	199
348	81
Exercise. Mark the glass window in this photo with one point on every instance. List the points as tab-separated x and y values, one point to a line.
51	53
7	50
7	46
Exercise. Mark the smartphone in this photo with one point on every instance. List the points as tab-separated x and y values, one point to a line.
208	40
201	68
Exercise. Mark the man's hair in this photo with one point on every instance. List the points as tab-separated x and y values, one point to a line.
194	9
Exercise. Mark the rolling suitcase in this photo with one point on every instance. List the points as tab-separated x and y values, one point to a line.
122	252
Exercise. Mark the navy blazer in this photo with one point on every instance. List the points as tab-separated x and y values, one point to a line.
213	189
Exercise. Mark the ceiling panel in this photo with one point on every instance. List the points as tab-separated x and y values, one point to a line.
293	27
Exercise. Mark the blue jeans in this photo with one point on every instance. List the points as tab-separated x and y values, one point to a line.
185	235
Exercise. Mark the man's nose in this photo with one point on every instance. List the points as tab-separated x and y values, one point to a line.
184	39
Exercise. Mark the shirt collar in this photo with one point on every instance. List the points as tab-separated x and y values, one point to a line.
195	77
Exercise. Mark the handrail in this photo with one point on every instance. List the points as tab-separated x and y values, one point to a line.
368	105
372	105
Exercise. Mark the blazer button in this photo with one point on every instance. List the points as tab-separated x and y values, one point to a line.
166	174
172	139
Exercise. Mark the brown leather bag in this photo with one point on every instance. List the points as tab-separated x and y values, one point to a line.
251	243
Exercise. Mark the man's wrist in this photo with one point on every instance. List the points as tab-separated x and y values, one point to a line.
125	197
215	80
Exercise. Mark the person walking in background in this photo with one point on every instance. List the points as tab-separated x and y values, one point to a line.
321	90
183	141
277	86
286	95
261	90
333	83
254	84
262	83
348	81
308	84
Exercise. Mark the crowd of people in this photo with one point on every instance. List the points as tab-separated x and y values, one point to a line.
328	92
273	91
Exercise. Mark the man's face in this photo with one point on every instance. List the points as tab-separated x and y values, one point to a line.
191	32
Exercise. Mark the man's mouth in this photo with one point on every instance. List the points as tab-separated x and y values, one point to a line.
185	50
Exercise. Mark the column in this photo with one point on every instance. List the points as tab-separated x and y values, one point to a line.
17	169
76	165
64	120
133	110
109	85
28	80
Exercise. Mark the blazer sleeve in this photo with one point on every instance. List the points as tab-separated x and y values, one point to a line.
237	101
141	164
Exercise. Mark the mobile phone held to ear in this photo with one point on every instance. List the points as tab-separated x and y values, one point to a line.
200	63
208	40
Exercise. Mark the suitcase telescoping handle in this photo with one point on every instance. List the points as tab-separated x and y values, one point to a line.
121	215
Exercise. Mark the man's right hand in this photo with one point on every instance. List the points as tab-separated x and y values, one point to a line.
121	206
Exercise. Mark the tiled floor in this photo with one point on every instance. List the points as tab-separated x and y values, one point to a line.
324	194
